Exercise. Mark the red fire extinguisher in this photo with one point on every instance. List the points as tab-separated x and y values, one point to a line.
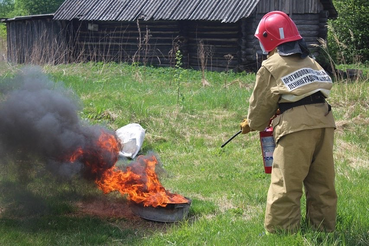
267	148
268	145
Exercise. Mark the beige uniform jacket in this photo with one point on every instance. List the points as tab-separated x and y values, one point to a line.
289	79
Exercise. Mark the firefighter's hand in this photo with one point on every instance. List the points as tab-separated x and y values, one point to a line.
245	128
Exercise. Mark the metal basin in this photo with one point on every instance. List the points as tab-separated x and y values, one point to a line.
171	213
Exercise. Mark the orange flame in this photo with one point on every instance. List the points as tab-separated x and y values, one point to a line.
98	156
139	181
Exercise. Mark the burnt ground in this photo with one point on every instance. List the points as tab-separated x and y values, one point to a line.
117	212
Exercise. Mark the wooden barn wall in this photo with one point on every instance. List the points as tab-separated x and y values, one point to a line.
249	59
150	43
290	7
217	46
202	43
212	45
36	41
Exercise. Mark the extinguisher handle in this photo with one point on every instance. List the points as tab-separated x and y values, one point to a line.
278	112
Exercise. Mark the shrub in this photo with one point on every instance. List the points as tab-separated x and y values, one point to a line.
348	35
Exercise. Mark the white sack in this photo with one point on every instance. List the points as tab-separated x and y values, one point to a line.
131	136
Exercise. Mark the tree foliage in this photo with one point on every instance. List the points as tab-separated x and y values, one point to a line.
348	36
11	8
6	7
32	7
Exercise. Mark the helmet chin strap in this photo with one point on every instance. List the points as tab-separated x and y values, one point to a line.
263	49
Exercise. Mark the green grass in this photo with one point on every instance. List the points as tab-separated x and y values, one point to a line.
185	124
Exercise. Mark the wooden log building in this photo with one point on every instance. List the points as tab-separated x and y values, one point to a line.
213	34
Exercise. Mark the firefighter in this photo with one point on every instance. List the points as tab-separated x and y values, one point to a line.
291	81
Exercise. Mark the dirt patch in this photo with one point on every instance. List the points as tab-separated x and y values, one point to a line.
103	209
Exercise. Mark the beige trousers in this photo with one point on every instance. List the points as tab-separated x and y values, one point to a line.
303	158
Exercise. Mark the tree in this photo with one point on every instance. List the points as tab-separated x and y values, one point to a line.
32	7
6	6
348	36
11	8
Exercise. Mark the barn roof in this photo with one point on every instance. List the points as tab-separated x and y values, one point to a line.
28	17
130	10
226	11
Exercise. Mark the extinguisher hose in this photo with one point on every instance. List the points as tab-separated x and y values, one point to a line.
229	140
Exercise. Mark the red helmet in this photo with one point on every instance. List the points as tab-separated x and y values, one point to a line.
276	28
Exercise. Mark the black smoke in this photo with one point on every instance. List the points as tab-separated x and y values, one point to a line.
40	123
40	129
